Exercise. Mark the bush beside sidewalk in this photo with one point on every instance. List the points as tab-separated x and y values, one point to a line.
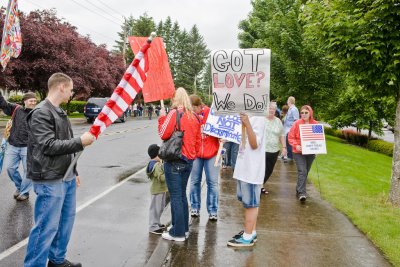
356	181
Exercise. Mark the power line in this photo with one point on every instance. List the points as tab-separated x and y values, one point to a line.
103	10
111	8
95	12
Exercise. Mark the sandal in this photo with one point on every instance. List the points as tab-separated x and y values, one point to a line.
264	191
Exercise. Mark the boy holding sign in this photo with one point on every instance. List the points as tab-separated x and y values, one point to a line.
249	173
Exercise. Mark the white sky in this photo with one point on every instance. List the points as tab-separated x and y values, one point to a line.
217	20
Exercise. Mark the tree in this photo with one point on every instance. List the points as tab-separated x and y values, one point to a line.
298	68
362	40
51	45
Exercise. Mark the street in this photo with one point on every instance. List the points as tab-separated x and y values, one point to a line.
118	153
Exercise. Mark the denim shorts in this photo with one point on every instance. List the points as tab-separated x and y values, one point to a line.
248	194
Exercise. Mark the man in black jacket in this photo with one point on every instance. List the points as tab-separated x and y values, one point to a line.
17	143
51	148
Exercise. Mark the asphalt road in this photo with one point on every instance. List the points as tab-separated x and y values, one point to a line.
117	154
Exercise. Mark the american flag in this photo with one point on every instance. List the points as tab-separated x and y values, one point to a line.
310	132
127	89
11	41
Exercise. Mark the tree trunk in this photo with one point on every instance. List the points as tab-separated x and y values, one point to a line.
394	195
370	130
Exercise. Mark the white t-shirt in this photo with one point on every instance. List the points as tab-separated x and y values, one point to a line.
250	163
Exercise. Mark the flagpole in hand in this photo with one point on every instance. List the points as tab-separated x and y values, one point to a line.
103	120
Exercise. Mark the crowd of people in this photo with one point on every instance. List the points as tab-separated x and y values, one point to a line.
252	162
41	139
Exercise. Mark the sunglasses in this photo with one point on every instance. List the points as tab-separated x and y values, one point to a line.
304	112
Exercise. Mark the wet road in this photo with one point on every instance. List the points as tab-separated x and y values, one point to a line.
118	153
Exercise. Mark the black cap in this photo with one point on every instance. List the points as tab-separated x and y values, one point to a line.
153	151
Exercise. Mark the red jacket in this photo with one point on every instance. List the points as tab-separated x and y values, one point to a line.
191	127
294	133
209	144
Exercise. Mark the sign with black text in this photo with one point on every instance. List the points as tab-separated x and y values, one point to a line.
240	81
312	139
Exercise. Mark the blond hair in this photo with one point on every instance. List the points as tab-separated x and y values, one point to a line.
181	99
291	100
57	79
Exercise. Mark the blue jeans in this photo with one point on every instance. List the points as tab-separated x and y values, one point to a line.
232	150
289	148
15	155
248	194
212	174
55	210
177	176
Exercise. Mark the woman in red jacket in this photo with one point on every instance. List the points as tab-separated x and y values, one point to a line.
177	172
303	162
205	160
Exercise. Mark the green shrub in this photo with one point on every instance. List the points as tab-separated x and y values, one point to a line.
354	137
381	147
15	99
74	106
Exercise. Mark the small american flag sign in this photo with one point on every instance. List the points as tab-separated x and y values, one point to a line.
312	139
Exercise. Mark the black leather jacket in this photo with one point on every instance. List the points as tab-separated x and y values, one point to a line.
50	143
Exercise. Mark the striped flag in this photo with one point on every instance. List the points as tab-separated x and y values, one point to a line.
311	132
127	89
11	41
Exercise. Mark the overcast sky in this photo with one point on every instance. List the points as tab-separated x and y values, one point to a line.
217	20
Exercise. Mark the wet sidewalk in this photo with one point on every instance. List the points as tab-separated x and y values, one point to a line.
289	233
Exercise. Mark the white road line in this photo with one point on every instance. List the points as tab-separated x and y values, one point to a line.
24	242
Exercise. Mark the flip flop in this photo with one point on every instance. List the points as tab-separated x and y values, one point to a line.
264	191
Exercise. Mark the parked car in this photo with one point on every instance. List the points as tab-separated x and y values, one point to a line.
94	106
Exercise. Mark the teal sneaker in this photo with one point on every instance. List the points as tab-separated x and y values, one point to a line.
241	242
238	235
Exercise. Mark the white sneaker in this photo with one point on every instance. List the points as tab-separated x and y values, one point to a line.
186	235
167	236
169	227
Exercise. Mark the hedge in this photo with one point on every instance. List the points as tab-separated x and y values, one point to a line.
381	146
359	139
74	106
15	99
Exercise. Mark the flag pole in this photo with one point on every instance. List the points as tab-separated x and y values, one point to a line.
77	156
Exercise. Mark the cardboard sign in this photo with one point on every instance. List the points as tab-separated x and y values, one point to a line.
312	139
159	84
224	127
240	81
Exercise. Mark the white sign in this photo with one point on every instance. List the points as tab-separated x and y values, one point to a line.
240	80
225	127
312	139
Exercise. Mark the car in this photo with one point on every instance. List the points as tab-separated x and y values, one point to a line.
93	107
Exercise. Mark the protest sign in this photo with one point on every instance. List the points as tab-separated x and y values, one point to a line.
240	81
312	139
226	127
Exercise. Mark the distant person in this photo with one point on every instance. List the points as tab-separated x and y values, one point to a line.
51	148
17	143
291	116
249	173
177	171
150	110
274	138
157	110
204	162
303	162
284	111
158	189
135	110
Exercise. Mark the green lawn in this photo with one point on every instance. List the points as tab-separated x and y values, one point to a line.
357	181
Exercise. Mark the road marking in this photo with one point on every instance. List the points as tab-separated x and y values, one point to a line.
24	242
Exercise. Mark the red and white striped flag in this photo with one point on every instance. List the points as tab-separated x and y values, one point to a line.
127	89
